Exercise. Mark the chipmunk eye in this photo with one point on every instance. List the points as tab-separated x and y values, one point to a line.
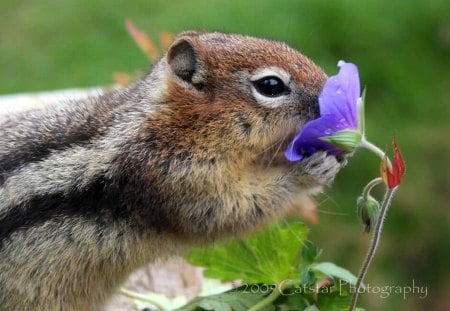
271	86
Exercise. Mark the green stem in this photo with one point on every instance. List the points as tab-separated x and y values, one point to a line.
267	300
273	295
368	145
374	244
370	185
143	298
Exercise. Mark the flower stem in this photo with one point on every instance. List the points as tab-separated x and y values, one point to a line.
374	244
370	185
368	145
143	298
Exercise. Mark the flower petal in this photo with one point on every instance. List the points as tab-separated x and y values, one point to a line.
399	164
308	140
398	167
393	177
340	95
338	104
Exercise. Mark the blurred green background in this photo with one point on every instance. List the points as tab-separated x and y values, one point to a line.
402	49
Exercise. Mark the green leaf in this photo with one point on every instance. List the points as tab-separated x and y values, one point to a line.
307	276
347	140
291	301
311	308
333	302
267	256
309	252
228	301
330	269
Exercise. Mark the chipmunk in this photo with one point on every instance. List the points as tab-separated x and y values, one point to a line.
189	154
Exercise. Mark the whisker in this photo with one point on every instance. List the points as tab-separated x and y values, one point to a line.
275	154
268	148
327	198
325	212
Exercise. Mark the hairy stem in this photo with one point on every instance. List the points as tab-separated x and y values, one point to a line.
370	185
374	244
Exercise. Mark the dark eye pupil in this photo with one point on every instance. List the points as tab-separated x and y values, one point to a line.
271	86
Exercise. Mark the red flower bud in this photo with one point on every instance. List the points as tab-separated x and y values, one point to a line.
392	176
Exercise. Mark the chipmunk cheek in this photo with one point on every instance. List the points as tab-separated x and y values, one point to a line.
246	128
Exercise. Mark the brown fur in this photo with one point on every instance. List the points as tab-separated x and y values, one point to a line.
189	154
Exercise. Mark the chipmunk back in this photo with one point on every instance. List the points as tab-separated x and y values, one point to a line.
190	153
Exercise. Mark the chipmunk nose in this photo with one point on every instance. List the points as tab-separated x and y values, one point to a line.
307	106
312	106
314	98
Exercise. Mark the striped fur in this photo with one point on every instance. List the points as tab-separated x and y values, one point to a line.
92	190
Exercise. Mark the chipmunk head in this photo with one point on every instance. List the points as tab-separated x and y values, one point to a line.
229	106
236	95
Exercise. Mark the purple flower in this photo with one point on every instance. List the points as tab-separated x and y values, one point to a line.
337	129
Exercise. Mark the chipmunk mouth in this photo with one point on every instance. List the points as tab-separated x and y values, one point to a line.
282	136
277	159
274	156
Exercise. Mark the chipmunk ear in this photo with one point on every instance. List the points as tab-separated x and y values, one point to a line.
184	61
